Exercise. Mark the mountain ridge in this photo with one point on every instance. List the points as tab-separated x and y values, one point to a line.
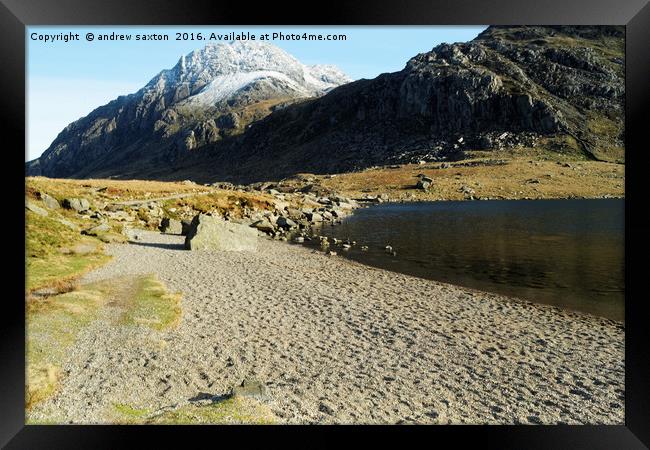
205	97
557	88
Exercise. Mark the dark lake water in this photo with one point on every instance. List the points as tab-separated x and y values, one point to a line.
567	253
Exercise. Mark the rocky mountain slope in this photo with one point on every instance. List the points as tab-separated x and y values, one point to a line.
211	94
557	88
560	89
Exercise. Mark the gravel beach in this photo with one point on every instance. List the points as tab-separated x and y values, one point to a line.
339	342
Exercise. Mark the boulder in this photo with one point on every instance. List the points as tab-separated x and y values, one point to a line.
35	208
50	201
314	217
78	204
212	233
171	226
285	222
264	226
97	230
422	184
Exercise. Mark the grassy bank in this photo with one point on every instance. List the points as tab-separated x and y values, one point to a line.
494	175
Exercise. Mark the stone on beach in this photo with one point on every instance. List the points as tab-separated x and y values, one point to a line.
251	388
212	233
285	222
263	225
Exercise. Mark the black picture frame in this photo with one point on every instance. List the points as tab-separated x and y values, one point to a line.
15	15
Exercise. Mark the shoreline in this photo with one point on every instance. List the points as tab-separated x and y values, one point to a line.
315	233
336	341
476	291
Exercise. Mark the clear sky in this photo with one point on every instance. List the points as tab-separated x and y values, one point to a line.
67	80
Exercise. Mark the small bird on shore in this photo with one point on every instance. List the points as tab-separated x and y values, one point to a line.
388	249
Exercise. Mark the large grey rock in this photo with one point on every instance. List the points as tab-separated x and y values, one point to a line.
77	204
171	226
31	206
97	230
50	201
263	225
212	233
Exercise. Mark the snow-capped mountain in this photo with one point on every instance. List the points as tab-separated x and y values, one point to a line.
211	93
218	71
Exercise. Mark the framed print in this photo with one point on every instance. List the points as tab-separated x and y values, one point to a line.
426	215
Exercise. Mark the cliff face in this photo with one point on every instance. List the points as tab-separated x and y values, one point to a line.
557	88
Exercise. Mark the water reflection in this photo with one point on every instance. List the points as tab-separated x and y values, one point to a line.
568	253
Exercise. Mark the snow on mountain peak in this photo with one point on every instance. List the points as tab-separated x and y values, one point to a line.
218	70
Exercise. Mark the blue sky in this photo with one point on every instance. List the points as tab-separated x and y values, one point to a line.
67	80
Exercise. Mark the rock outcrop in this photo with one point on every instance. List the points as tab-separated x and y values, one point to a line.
556	88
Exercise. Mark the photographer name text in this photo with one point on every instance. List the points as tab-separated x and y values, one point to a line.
184	36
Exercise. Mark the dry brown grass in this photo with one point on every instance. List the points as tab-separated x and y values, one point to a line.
115	189
222	201
521	177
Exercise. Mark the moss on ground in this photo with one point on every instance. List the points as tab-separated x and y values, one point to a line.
129	415
52	327
233	410
151	305
46	235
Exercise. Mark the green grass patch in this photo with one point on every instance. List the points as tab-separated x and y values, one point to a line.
234	410
52	327
58	270
152	306
130	415
46	265
45	235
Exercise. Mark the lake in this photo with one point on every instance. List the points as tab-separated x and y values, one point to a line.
567	253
